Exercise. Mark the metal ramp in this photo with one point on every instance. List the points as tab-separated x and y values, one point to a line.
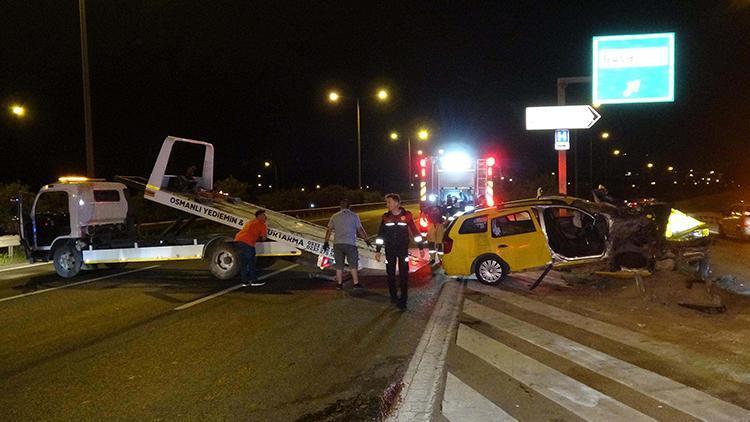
223	209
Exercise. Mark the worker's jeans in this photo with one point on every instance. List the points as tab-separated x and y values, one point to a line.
400	258
247	261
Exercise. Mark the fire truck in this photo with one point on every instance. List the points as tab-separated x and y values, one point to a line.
450	183
454	180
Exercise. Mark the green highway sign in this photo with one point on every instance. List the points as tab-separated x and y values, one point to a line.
633	68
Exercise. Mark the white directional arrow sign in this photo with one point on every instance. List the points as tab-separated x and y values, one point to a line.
561	117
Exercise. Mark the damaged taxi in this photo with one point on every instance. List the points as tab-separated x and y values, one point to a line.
559	232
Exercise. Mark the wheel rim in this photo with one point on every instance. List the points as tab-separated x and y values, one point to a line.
491	271
67	261
225	261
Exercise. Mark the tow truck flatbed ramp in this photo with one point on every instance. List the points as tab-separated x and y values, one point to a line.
231	212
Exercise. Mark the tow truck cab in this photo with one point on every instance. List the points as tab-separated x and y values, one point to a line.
74	209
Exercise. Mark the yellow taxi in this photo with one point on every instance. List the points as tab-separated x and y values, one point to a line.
524	235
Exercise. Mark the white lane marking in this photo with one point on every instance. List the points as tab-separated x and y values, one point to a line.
621	335
574	396
77	283
23	267
231	289
681	397
463	403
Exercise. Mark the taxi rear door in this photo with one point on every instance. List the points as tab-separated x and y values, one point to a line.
517	238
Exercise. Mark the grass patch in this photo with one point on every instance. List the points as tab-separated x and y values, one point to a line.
18	257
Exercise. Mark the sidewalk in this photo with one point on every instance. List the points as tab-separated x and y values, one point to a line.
500	354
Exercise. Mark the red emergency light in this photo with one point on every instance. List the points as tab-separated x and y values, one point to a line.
423	163
491	162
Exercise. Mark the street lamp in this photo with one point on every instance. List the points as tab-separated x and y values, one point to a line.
616	152
267	164
650	165
18	110
334	97
605	135
422	135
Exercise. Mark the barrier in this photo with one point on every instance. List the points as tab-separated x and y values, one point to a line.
9	242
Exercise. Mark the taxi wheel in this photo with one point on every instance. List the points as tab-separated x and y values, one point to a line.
491	270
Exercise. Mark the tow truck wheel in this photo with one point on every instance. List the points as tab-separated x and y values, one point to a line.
491	270
68	261
224	261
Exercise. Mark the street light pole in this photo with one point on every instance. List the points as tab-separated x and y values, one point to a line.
359	150
408	155
86	91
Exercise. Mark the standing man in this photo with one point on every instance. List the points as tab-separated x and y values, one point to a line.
397	228
345	225
245	242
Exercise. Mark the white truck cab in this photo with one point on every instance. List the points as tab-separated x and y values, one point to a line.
77	207
69	215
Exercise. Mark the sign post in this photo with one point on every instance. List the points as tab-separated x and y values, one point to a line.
561	117
633	68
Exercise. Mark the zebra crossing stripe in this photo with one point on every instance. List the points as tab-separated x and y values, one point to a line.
574	396
681	397
463	403
627	337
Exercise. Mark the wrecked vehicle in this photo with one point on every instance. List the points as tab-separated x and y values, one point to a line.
645	233
563	232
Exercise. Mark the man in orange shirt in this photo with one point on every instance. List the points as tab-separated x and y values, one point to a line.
245	242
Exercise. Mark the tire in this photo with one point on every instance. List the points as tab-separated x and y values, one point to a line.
224	261
67	261
116	265
491	270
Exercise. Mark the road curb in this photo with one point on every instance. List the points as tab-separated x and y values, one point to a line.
424	379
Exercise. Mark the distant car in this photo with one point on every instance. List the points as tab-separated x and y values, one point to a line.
736	223
524	235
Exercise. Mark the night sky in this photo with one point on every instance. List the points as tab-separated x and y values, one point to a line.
251	77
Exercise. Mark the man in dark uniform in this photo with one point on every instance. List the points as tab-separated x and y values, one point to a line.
397	228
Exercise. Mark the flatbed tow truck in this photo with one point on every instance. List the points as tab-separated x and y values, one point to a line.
80	223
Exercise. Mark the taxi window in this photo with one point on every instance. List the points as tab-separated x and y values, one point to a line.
512	224
474	225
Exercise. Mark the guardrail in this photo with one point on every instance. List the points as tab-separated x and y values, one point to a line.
326	211
9	242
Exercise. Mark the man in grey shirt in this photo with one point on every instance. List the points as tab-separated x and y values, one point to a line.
345	225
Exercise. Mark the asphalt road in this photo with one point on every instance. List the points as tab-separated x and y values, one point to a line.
135	344
731	257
